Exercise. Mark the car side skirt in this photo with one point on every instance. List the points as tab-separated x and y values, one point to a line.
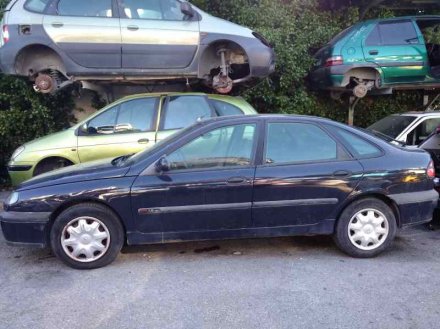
325	227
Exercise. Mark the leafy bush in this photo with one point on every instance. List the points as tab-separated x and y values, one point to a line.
26	115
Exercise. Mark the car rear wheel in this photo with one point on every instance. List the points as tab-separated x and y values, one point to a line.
87	236
366	228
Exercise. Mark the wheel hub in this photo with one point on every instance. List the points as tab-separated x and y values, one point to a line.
368	229
85	239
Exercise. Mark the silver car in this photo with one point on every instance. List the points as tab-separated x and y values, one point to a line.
57	42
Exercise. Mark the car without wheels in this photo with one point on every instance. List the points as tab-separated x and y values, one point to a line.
57	42
226	178
380	55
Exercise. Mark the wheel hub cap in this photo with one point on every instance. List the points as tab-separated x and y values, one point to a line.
85	239
368	229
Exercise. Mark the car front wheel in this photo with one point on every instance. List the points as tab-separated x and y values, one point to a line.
366	228
87	236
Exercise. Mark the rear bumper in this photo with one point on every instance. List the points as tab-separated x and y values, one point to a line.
416	207
25	228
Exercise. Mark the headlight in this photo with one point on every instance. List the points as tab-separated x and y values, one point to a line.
17	152
13	198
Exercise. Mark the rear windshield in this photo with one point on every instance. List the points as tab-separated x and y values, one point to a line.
342	34
36	5
392	125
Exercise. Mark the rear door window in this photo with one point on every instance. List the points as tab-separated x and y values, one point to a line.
183	111
393	33
297	143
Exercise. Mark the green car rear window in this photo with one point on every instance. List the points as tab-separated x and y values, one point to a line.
36	5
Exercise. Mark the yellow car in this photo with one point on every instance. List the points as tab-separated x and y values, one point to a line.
124	127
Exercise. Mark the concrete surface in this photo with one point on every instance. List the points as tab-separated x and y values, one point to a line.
301	282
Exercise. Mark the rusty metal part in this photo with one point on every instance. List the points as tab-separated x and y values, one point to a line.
44	83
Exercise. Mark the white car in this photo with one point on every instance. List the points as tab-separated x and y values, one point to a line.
411	128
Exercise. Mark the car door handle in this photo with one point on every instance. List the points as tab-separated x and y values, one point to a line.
342	173
57	24
144	141
237	180
373	52
133	28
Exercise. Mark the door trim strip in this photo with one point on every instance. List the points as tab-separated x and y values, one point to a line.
236	206
299	202
202	207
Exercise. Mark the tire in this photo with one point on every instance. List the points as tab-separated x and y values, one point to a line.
365	228
81	249
48	166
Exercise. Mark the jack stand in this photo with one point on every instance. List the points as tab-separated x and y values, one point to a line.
352	102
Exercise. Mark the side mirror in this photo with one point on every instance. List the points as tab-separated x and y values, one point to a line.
162	165
437	130
187	9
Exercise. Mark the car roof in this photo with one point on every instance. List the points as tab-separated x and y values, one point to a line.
416	17
166	93
262	117
419	114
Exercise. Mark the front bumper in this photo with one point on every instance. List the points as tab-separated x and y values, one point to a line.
416	207
25	228
20	172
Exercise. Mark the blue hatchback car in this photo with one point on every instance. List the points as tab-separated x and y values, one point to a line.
232	177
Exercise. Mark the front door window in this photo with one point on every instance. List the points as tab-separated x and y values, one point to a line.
223	147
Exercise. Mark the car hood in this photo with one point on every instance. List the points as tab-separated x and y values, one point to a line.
62	139
94	170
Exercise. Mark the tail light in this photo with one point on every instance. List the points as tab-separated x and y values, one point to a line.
430	171
5	33
335	60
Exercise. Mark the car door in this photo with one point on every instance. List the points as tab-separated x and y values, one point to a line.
181	111
126	128
87	31
399	50
422	130
304	177
157	35
208	186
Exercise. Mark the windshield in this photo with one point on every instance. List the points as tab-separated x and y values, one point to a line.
393	125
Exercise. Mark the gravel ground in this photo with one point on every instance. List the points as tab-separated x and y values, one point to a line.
301	282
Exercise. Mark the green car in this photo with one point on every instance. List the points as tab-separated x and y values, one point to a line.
381	55
125	127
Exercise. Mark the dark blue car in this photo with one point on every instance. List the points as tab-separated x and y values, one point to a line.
232	177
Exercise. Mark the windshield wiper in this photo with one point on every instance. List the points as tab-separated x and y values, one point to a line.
120	160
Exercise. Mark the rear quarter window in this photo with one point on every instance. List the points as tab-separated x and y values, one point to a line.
37	6
361	148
